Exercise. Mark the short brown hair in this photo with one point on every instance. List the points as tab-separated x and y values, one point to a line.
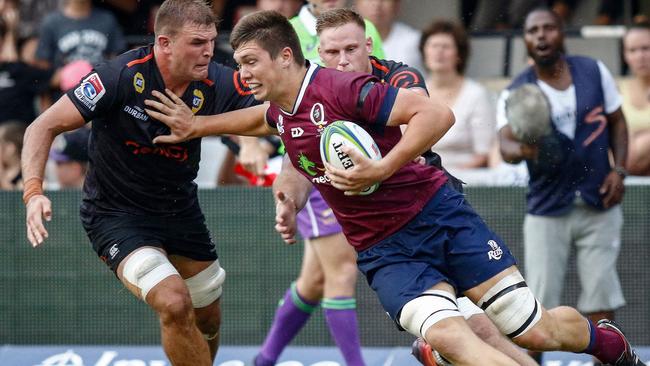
12	132
338	17
271	31
457	32
173	14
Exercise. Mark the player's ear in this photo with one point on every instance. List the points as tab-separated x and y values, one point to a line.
369	44
163	41
287	57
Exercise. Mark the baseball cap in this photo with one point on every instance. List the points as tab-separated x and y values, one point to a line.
71	146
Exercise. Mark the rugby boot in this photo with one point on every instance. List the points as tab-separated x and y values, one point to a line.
628	358
426	355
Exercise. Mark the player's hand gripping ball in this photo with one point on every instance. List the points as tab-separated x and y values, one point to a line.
528	113
345	133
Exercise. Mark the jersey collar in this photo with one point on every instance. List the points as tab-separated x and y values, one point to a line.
312	69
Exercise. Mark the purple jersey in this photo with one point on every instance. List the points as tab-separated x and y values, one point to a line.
329	95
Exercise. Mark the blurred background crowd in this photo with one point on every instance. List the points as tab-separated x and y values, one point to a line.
468	51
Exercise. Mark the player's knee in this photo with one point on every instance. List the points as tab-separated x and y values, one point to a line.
448	338
174	307
206	286
146	268
483	327
427	310
511	306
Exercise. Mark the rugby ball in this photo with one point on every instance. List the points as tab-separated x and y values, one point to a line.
345	133
528	113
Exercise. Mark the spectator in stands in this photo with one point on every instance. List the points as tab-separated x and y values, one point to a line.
11	145
20	83
32	13
574	192
444	47
78	32
70	153
509	14
399	39
636	97
612	12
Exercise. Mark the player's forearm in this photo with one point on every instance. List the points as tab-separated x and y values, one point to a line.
425	128
293	184
36	147
247	121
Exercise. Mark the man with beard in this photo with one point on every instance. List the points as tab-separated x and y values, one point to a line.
574	190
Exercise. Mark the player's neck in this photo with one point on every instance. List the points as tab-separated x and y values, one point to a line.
288	99
172	83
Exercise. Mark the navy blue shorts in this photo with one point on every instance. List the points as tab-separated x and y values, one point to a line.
447	241
114	237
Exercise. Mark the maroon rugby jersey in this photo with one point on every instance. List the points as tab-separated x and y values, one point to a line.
328	95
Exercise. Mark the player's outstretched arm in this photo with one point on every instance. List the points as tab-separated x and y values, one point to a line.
62	116
291	191
184	125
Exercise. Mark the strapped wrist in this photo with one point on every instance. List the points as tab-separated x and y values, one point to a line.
32	187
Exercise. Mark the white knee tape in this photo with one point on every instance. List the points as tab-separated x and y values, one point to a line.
467	307
205	286
511	306
145	268
426	310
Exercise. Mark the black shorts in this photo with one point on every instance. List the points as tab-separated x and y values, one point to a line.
114	237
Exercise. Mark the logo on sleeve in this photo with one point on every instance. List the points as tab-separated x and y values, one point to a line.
496	251
138	82
90	91
197	100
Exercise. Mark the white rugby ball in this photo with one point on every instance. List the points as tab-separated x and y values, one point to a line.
345	133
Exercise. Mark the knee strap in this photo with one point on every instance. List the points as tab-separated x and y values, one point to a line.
511	306
147	267
430	307
205	286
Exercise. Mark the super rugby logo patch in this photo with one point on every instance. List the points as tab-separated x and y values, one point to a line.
90	91
197	100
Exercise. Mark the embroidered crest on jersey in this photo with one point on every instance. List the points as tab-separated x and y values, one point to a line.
138	82
90	91
317	115
197	100
496	251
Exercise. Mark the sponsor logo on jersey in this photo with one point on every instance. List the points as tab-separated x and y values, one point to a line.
317	115
90	91
307	165
173	152
138	82
197	100
280	124
496	251
136	112
296	132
